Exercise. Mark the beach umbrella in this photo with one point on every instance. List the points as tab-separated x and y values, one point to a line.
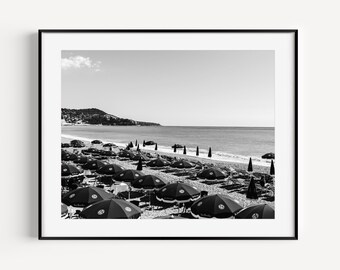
82	197
108	153
250	166
94	164
77	143
65	145
178	193
110	169
170	217
126	154
182	164
82	159
91	150
156	147
111	209
140	164
158	162
184	151
175	148
272	169
197	151
130	145
69	170
252	192
260	211
109	145
150	143
67	156
140	156
128	175
209	154
211	174
136	143
215	206
144	143
269	156
138	147
148	182
96	142
64	210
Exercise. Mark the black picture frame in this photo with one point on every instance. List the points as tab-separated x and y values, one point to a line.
293	31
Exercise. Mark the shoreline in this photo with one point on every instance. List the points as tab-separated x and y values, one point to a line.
238	160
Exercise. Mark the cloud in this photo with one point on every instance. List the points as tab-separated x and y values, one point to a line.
78	62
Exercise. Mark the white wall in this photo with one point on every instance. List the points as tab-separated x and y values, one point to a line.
319	111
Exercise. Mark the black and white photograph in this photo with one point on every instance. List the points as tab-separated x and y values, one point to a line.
168	134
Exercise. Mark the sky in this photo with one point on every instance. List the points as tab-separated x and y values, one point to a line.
173	88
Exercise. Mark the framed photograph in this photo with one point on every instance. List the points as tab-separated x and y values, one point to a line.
168	134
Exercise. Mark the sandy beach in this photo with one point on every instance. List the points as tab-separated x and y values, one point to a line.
212	187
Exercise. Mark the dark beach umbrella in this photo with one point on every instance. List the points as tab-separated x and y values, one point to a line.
158	163
64	210
178	193
184	151
156	147
261	211
110	169
250	166
209	154
128	175
109	145
211	174
197	151
182	164
136	143
175	148
170	217
126	154
150	143
111	209
141	156
269	156
130	145
96	142
149	182
215	206
108	153
65	145
69	170
67	156
138	147
82	159
140	164
77	143
91	150
144	143
94	164
272	169
82	197
252	192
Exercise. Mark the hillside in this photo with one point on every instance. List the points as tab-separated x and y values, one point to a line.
94	116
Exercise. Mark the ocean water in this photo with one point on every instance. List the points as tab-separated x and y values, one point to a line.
227	143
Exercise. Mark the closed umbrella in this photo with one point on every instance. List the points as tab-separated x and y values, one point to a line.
184	150
211	174
82	197
272	169
111	209
110	169
182	164
250	166
261	211
215	206
178	193
209	154
128	175
252	191
197	151
140	164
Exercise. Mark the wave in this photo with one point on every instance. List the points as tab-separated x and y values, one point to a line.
191	152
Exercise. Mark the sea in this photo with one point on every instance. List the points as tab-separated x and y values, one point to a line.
233	144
